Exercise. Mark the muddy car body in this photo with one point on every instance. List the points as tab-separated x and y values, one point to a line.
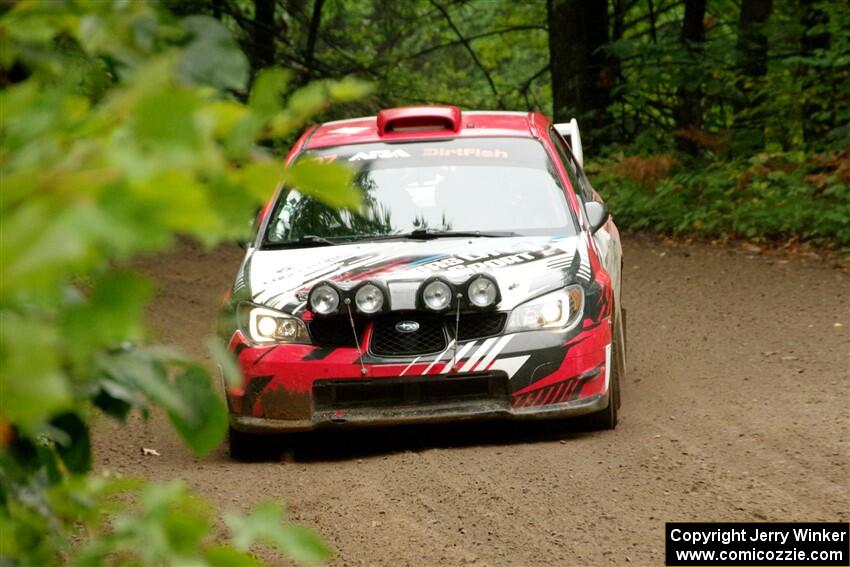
481	279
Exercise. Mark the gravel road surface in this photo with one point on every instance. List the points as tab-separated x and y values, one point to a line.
736	407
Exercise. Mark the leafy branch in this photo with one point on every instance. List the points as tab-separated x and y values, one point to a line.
121	129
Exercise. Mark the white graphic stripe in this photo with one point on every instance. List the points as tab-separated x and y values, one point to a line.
460	354
510	365
415	360
607	365
436	360
584	267
478	354
494	352
382	257
293	282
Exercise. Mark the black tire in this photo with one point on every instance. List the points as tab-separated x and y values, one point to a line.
249	447
623	368
607	418
625	334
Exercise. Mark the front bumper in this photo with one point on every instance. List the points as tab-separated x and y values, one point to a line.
540	374
429	414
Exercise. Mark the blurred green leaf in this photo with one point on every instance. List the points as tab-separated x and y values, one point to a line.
226	361
212	57
111	314
261	178
265	524
76	451
242	136
204	425
167	120
122	129
349	89
330	183
222	556
301	543
115	399
140	371
267	93
31	381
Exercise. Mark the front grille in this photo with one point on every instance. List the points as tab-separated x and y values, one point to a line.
477	325
336	331
400	392
429	338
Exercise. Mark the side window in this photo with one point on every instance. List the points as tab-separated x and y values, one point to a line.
577	178
586	187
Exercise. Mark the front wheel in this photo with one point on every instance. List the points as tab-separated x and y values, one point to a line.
248	447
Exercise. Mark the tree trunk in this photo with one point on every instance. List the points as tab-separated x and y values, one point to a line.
262	52
651	7
619	20
815	127
618	27
688	111
310	48
582	74
752	60
752	41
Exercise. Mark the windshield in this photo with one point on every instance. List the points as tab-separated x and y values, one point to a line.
505	185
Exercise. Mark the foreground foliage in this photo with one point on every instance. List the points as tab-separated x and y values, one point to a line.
121	129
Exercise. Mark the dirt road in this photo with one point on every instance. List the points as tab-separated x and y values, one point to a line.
736	406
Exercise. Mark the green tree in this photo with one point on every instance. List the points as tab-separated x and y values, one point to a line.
121	128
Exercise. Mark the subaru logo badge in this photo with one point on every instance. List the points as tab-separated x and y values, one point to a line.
407	326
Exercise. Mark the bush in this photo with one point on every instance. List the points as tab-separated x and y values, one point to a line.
122	128
770	197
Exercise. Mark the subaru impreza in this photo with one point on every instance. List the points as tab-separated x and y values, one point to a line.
480	279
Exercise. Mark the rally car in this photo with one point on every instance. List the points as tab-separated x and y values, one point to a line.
481	278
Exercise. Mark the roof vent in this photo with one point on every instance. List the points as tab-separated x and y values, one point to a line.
418	119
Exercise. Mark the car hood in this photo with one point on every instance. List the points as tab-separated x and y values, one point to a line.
524	267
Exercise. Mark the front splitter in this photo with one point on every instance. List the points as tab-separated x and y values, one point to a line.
365	417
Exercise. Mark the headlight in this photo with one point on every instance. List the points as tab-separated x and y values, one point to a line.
324	299
264	325
437	295
557	310
482	292
369	299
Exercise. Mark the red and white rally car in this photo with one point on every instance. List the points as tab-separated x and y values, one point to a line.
480	279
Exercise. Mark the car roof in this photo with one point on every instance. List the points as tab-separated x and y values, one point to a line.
470	124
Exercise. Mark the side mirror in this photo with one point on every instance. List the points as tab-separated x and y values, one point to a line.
597	215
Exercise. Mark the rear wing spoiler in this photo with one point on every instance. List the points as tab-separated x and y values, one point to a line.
570	131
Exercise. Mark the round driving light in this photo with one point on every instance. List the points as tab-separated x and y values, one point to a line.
482	292
324	299
266	326
369	299
437	295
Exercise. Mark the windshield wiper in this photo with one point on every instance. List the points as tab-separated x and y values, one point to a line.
431	233
418	234
305	240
